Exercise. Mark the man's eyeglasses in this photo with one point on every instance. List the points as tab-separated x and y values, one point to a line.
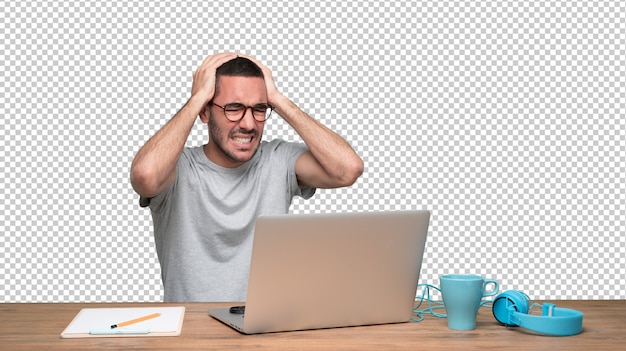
234	112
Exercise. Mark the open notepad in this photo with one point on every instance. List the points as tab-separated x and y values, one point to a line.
97	322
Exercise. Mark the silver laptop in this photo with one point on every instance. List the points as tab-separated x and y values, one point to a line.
331	270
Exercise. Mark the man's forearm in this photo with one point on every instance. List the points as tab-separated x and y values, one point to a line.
331	151
154	166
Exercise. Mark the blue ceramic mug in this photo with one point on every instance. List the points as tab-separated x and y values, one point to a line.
462	294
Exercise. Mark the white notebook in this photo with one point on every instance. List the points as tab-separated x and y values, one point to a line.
97	322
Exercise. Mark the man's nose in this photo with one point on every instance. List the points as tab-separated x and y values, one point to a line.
248	121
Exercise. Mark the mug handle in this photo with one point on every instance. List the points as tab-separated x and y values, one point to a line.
496	287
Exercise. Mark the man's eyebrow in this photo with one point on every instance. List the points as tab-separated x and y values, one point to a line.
258	104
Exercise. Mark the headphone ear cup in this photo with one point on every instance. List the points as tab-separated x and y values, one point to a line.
508	302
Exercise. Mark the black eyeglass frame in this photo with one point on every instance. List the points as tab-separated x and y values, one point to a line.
266	114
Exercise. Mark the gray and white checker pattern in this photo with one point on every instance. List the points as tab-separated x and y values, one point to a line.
506	119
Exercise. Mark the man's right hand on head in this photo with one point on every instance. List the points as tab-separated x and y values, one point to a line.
204	77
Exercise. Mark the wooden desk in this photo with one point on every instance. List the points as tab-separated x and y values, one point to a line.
37	327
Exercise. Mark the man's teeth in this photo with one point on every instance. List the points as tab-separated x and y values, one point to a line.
242	140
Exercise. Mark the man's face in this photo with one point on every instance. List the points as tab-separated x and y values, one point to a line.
233	143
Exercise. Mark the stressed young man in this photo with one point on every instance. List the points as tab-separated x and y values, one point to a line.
205	200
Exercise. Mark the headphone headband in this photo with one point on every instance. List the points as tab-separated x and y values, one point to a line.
511	309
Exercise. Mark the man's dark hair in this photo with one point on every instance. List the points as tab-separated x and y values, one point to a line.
240	67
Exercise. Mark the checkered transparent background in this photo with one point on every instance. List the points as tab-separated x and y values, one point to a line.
506	119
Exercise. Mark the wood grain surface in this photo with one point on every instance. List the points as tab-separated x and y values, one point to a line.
25	326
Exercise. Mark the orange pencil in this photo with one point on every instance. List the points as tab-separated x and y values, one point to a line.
136	320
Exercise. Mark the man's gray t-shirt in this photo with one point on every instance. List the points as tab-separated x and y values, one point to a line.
203	224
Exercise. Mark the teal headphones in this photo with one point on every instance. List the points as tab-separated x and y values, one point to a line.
511	308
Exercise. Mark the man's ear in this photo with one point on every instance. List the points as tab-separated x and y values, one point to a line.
205	114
